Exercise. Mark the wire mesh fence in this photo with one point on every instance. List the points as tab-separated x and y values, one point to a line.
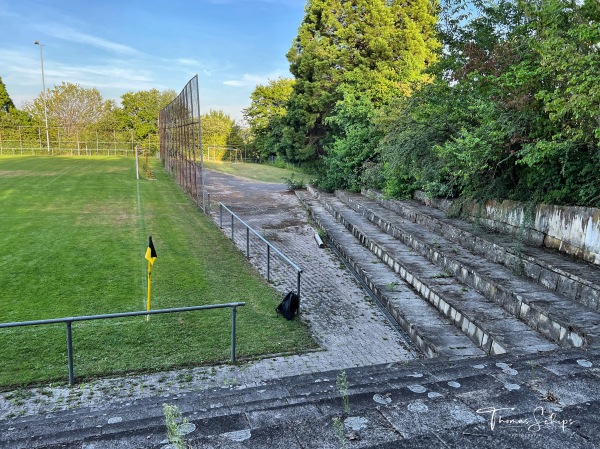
181	141
32	140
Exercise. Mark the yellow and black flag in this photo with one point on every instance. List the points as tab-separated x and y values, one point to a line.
150	257
150	252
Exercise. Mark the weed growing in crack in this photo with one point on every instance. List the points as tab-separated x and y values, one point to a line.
175	422
338	425
342	386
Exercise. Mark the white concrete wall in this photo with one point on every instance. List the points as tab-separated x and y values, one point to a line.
573	230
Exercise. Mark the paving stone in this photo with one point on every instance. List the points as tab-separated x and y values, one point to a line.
422	416
585	419
572	389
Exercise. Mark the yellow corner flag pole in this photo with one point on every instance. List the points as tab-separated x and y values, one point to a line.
150	257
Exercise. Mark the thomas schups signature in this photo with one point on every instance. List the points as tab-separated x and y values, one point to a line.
540	419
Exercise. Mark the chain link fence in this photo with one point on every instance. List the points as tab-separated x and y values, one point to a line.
181	141
31	140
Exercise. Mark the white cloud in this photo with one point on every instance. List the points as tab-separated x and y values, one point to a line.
188	61
22	76
69	34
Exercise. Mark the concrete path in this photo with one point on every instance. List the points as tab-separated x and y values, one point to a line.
342	318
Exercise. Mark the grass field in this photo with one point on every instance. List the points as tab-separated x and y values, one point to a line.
256	172
73	233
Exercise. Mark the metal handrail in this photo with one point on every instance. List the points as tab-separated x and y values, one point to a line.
70	320
270	246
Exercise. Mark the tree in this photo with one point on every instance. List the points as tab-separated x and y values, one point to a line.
110	118
241	138
513	109
265	114
5	102
69	106
350	60
314	63
9	115
217	129
139	110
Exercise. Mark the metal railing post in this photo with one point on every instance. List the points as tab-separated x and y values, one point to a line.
268	263
233	324
247	242
70	353
269	245
70	320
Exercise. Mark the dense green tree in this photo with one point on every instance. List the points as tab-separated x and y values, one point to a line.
69	106
5	102
313	61
14	117
350	60
241	139
513	110
217	127
139	110
265	115
110	118
9	115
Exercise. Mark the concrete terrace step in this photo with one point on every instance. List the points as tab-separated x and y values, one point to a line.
555	316
485	322
577	280
424	403
433	334
212	412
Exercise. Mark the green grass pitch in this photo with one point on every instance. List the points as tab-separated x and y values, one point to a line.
73	234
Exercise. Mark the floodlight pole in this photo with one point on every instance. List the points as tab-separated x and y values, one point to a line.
44	95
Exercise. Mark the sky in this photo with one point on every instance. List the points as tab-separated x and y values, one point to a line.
132	45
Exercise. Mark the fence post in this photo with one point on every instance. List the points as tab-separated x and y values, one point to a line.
221	215
233	318
247	242
232	228
70	353
298	289
268	263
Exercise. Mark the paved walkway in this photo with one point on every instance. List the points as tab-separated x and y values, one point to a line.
342	318
344	321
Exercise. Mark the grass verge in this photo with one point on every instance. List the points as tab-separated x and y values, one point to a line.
74	234
256	172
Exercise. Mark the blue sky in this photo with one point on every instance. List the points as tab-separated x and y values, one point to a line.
123	46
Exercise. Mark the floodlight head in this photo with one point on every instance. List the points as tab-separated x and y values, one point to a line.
36	43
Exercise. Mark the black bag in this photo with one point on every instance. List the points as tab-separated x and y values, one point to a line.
289	306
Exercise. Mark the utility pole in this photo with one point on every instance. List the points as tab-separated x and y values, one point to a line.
44	95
